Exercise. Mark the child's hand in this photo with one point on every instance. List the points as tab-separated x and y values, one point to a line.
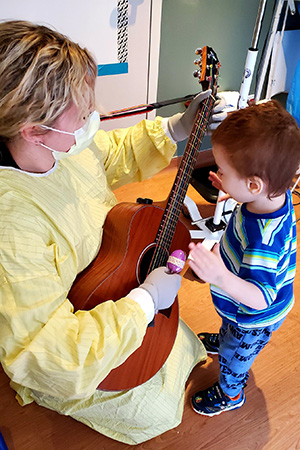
215	180
217	183
207	265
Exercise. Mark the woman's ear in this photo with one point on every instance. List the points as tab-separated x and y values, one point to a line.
30	134
255	185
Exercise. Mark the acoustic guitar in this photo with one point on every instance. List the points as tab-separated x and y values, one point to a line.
138	238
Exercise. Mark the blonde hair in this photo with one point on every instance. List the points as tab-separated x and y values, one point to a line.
41	72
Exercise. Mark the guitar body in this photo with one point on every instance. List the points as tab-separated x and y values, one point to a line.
121	265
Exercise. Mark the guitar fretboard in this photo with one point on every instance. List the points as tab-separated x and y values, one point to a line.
178	192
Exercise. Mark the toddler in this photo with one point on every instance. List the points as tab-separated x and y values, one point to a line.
251	271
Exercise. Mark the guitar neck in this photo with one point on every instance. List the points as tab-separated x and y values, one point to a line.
178	192
208	75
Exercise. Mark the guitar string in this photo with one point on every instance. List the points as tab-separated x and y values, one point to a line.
187	162
165	232
197	137
207	107
183	174
191	155
186	168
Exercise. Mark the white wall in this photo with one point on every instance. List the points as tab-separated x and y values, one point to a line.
93	24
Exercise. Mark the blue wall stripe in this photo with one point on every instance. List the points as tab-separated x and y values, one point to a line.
112	69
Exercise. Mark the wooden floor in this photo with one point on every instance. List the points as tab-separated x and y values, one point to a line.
269	420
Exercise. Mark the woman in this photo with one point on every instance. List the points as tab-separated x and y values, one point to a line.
56	179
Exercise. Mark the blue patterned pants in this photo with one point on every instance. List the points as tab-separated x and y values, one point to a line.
237	352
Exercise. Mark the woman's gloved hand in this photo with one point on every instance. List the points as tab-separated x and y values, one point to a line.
162	286
226	102
158	291
180	125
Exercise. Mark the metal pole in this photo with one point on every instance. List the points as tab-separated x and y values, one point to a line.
258	24
268	49
251	58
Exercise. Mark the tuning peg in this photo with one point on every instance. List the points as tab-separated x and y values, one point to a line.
198	51
196	73
197	62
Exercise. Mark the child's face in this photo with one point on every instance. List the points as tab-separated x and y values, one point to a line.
232	183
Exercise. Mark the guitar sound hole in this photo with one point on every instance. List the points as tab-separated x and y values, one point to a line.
145	262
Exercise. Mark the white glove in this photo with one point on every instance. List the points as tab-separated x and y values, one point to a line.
226	101
181	124
162	286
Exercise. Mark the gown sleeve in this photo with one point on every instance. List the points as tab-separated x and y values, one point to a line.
135	153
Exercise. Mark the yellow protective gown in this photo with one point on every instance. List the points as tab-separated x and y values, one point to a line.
50	230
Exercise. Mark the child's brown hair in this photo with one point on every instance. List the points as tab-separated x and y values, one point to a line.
262	140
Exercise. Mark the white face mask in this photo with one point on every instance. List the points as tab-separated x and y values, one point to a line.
83	137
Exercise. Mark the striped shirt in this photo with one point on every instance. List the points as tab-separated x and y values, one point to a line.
261	249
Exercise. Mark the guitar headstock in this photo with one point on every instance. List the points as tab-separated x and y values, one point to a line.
208	70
